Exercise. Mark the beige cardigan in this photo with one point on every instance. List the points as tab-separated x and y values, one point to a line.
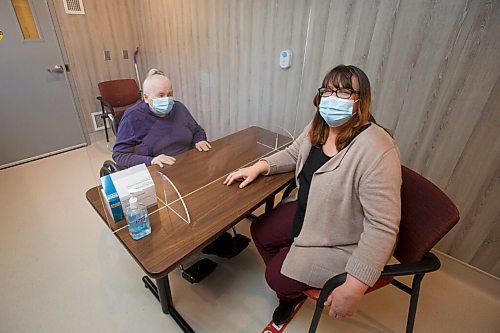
353	209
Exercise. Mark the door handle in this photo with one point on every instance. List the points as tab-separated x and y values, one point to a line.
56	69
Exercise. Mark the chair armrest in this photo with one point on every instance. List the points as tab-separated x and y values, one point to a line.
104	105
429	263
109	167
329	286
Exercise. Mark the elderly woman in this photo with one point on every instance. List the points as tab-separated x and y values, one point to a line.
347	214
158	128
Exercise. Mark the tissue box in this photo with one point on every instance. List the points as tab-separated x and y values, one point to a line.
111	198
116	186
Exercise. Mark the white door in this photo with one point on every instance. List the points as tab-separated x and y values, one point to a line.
38	116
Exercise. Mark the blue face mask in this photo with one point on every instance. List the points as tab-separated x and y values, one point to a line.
335	111
162	106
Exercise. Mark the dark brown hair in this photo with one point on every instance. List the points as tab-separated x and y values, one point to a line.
342	76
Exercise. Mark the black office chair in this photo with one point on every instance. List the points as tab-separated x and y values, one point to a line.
427	214
116	97
108	167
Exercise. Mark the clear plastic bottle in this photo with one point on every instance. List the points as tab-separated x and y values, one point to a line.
137	217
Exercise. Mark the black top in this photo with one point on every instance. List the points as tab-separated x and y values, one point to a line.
314	161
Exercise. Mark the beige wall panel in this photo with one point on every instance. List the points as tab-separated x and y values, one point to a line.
348	32
222	57
313	69
485	229
107	25
81	51
475	186
487	257
406	37
454	153
467	82
426	60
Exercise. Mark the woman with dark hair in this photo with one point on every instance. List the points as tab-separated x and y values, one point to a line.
346	216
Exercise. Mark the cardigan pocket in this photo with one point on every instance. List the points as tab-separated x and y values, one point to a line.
326	262
319	275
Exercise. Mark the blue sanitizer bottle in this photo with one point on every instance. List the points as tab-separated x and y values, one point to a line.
137	217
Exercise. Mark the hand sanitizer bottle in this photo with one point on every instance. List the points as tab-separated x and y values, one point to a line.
137	217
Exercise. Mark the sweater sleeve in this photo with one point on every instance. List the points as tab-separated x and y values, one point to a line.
380	197
198	131
124	148
286	160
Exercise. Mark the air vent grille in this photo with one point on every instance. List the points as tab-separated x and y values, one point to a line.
97	121
74	7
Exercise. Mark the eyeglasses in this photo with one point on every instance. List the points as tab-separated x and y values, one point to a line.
344	93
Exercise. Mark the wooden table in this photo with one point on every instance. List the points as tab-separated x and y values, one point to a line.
213	207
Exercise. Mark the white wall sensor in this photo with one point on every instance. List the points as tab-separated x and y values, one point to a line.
285	59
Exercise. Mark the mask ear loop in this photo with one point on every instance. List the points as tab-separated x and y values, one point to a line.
354	102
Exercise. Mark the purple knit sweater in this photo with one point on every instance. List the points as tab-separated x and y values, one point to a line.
142	135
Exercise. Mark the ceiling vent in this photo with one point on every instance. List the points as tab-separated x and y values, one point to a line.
74	7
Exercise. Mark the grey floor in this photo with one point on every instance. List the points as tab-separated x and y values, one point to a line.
63	271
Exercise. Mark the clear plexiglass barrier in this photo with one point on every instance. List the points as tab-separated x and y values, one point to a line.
278	139
177	186
172	199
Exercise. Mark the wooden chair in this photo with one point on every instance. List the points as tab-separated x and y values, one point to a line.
116	97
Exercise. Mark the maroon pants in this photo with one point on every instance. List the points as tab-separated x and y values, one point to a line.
272	235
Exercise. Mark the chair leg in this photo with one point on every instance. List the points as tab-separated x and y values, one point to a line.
316	317
112	123
269	205
412	311
105	128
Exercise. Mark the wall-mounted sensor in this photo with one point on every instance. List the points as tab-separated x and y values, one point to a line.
285	59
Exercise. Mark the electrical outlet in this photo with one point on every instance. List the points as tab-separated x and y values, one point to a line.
125	54
107	55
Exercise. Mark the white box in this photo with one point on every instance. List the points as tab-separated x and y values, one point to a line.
136	177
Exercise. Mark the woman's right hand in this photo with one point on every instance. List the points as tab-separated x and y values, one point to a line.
248	174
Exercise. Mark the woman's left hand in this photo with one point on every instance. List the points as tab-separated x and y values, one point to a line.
202	146
344	300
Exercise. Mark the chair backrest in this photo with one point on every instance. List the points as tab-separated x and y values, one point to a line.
427	214
119	93
109	167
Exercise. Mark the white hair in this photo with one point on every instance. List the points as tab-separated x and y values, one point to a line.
149	82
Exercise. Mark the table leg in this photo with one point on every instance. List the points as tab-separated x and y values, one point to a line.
269	204
162	293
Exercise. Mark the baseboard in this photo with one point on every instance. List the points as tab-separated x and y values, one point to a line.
470	275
